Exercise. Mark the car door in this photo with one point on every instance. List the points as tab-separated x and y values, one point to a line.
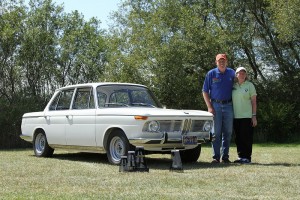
80	127
56	117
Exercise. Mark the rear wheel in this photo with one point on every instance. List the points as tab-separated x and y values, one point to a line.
117	146
191	155
41	147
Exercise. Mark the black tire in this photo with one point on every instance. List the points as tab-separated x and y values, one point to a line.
117	146
40	146
190	155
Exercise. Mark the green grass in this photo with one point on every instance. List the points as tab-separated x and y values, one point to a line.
274	174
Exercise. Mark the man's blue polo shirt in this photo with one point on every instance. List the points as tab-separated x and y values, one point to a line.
219	85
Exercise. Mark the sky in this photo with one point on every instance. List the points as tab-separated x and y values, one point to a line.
92	8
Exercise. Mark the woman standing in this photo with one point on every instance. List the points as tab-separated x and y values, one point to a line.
244	106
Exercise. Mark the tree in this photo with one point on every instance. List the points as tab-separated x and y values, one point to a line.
43	48
286	17
10	38
11	18
37	48
170	45
165	45
80	51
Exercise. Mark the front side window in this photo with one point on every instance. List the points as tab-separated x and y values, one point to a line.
101	99
84	99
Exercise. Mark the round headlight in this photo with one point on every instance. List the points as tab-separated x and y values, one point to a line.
207	126
153	126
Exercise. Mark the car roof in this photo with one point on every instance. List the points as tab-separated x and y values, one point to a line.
99	84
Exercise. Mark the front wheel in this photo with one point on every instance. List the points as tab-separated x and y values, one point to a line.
191	155
117	146
41	147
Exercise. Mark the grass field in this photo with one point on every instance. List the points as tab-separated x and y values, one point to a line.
274	174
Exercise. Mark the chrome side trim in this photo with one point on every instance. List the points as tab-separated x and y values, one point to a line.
27	117
79	148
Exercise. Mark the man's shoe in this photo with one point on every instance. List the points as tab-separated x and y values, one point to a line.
215	161
239	160
242	161
245	161
226	160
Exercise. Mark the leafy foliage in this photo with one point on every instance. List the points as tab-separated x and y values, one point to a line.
168	45
42	48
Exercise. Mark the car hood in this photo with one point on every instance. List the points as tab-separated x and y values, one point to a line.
152	112
139	111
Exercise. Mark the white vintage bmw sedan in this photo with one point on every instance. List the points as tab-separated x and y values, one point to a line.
114	118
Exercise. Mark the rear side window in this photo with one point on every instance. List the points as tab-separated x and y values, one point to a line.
62	101
54	102
84	99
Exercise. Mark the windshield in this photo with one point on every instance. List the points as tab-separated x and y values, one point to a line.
125	96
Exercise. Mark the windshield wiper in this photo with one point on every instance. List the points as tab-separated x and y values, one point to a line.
144	104
117	104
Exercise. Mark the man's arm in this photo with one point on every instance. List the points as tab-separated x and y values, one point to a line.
208	103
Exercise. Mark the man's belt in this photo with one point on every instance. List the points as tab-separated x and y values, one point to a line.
221	101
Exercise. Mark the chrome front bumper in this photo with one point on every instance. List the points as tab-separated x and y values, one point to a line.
166	140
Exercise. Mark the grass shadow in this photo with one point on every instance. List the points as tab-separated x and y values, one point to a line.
82	157
156	163
152	163
275	164
165	164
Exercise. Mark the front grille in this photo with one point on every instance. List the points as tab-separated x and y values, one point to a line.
192	126
184	127
170	126
197	126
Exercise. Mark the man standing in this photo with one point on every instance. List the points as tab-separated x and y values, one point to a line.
217	91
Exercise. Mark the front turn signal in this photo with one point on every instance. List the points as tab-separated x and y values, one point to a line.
138	117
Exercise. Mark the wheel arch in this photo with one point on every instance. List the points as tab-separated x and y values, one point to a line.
108	132
36	131
41	150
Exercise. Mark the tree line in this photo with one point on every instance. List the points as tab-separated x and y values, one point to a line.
168	45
